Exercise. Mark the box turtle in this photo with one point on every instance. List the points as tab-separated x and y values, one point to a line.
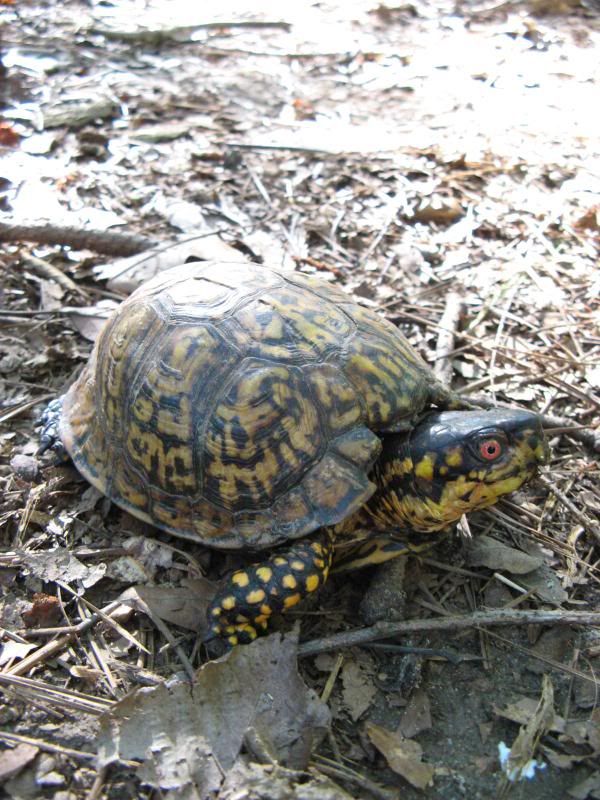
245	407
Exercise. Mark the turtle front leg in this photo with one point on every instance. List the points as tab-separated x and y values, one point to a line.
49	436
241	610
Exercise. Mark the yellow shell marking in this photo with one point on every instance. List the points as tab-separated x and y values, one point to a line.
257	596
312	583
228	603
240	579
297	565
289	582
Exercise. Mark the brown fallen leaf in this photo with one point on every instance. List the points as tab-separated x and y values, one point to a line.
417	715
180	605
488	552
440	210
359	688
403	755
45	611
187	736
12	761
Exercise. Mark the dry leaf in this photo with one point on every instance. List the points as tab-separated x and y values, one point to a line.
359	689
126	274
488	552
187	736
13	761
403	755
417	715
180	605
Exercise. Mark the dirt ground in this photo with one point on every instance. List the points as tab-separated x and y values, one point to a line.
439	162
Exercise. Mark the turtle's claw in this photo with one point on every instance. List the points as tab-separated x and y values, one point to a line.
49	435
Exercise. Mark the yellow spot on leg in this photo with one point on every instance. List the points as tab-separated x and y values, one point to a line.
292	600
289	582
264	574
227	603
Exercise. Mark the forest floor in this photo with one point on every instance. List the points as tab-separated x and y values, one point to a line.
439	162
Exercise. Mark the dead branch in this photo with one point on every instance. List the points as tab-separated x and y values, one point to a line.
445	342
111	244
483	619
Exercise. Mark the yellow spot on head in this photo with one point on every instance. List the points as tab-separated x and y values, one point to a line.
257	596
297	565
454	457
227	603
264	574
424	469
292	600
240	579
312	583
289	582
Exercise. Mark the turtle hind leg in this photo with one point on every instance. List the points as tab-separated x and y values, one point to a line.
49	435
242	608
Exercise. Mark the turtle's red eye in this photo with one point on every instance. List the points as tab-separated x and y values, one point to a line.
490	449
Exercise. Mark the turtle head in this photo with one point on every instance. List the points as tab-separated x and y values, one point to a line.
454	462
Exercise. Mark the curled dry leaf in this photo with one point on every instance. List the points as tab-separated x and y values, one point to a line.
403	755
188	736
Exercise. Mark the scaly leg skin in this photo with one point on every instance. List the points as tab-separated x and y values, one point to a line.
49	436
240	611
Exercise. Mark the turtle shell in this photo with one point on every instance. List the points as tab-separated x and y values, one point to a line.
239	405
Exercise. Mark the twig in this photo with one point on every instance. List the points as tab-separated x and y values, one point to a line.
585	521
445	342
385	630
111	244
341	772
47	746
56	695
45	270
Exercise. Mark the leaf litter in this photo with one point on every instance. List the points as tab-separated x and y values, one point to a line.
408	153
